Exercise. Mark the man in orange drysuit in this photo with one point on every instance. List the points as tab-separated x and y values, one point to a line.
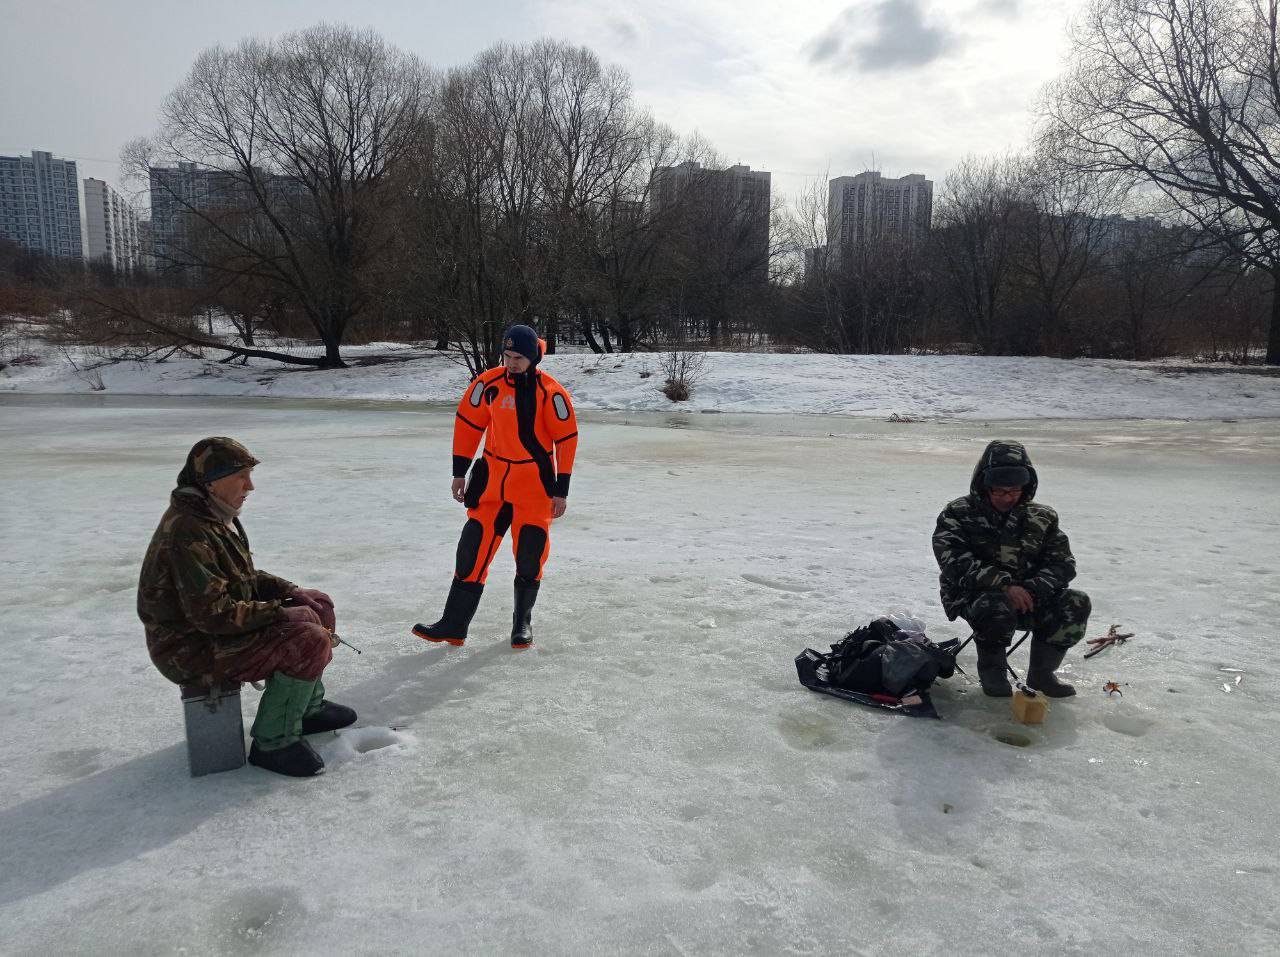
519	484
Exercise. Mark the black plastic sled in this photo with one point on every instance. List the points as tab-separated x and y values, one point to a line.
917	704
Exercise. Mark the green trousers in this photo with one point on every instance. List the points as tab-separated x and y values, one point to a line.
285	702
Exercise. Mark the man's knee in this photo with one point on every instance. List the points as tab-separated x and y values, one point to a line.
531	545
1076	605
310	649
469	543
1064	624
991	617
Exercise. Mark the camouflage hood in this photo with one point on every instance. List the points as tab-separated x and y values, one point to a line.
214	458
981	550
199	595
1003	455
194	501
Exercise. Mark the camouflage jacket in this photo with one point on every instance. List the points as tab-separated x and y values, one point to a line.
199	595
981	549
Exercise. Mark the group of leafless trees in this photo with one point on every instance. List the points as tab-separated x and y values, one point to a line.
349	193
1028	257
1145	219
336	187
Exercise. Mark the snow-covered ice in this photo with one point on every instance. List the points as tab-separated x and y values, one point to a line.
651	777
940	387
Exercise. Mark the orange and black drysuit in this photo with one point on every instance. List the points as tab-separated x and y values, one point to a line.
530	436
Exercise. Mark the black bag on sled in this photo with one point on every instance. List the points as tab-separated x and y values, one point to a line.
882	666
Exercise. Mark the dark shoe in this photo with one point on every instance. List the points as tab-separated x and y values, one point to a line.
330	717
1045	659
459	608
521	626
993	669
298	760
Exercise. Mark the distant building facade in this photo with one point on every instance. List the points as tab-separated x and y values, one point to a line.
40	204
146	261
182	196
1119	237
176	192
869	207
110	228
815	263
737	198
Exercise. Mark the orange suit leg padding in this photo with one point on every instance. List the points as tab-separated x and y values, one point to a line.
486	525
514	499
531	541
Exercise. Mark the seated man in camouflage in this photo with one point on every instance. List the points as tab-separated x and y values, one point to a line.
1005	565
211	617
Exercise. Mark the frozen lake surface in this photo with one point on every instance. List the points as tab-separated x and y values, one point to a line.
651	778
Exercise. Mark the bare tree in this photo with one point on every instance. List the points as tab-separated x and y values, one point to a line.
973	241
596	142
1183	95
618	296
718	245
1059	227
810	310
531	206
297	138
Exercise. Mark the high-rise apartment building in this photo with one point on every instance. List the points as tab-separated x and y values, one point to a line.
175	193
182	197
733	201
146	261
40	204
868	208
815	262
110	227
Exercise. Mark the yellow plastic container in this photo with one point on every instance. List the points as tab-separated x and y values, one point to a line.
1029	708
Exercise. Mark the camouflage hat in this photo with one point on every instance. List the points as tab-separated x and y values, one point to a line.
214	458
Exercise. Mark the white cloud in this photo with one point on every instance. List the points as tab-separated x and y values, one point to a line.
740	72
743	76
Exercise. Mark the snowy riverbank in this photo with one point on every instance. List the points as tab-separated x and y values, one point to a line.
937	387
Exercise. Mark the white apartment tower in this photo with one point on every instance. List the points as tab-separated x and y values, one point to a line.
868	207
111	228
40	204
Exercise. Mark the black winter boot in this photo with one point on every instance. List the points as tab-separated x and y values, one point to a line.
330	717
298	760
459	608
1045	658
521	627
993	669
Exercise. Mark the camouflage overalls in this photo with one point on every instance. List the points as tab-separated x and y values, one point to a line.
981	551
211	616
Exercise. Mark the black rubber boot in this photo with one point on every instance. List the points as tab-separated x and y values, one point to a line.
1045	659
330	717
298	760
993	669
459	608
521	626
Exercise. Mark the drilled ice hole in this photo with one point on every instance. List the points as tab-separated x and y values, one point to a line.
1015	739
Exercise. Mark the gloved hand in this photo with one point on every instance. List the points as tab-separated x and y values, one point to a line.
318	602
300	615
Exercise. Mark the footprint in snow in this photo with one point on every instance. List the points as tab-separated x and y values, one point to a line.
352	743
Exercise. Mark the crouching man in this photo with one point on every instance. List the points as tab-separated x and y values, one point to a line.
211	617
1005	564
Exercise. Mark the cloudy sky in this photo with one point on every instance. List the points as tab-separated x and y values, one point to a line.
800	89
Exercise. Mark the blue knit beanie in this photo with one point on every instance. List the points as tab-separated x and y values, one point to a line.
523	340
